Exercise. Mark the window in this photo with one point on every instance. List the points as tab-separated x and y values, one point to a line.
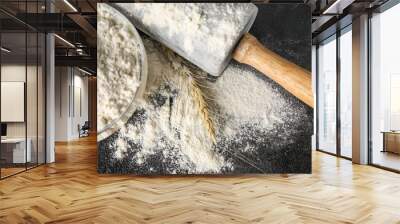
335	74
346	92
385	89
22	77
327	95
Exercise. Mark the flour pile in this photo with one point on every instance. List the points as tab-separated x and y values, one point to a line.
244	98
168	123
119	66
167	134
200	32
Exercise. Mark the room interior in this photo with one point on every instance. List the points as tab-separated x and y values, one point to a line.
334	70
22	102
49	122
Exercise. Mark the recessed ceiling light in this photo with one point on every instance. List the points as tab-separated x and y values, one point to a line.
70	5
84	71
338	6
64	40
5	50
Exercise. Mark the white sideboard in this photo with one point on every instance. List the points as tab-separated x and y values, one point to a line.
19	155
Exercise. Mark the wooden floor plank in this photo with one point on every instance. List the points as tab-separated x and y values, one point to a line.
71	191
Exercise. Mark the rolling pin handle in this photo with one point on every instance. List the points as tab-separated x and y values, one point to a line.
290	76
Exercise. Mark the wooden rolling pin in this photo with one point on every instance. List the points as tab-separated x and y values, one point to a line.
207	34
290	76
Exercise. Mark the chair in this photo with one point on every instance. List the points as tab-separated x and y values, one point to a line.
84	130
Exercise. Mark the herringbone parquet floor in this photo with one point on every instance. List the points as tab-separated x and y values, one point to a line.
71	191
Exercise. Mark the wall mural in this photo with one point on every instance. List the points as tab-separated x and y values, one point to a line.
172	101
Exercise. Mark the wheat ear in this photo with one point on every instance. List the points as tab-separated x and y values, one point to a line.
195	90
203	107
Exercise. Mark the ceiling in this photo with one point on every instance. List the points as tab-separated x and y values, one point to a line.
75	22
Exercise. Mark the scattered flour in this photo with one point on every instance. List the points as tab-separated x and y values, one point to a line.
205	34
122	147
244	98
172	126
167	135
118	67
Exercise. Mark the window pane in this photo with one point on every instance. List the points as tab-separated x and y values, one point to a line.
346	94
14	153
327	96
31	97
386	88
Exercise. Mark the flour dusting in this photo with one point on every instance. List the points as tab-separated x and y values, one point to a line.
245	97
171	123
205	34
167	127
259	127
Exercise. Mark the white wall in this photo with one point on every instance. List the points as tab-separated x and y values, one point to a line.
10	73
33	126
79	117
70	83
12	101
16	73
62	81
